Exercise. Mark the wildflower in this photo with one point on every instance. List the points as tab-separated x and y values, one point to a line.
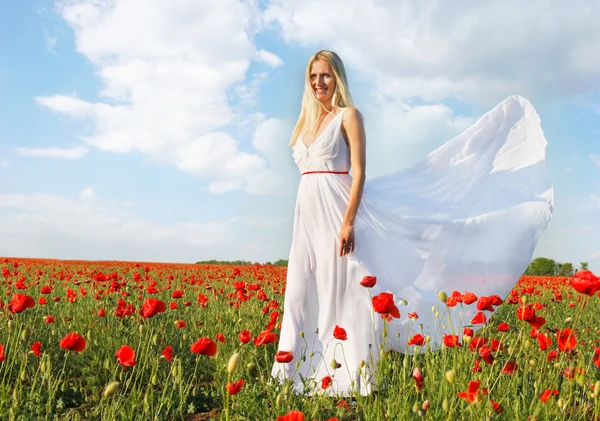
204	346
234	387
73	342
125	356
340	333
284	356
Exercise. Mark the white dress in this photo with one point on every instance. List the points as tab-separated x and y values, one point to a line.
466	218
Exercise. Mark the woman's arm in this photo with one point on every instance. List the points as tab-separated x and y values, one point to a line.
352	125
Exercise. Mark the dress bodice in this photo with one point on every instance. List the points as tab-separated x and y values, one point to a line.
328	152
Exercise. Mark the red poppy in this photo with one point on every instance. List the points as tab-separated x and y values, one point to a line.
152	307
265	337
418	377
2	357
510	367
544	341
451	341
384	305
369	281
245	336
177	294
479	318
488	303
418	340
180	324
284	356
566	339
552	355
167	352
412	315
294	415
326	382
125	356
468	298
486	354
73	341
204	346
585	282
547	393
339	333
477	342
496	407
503	327
20	302
454	299
596	357
476	367
46	289
220	337
473	394
36	347
49	319
234	387
467	331
101	312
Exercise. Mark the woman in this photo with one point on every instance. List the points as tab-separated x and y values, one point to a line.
466	219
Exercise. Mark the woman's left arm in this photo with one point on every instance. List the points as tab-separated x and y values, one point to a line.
355	132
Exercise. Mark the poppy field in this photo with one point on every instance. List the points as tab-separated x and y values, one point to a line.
84	340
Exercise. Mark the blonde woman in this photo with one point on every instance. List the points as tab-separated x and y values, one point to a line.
366	254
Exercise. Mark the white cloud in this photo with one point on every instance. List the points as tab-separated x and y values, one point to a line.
595	159
480	51
4	163
75	152
269	58
167	74
89	226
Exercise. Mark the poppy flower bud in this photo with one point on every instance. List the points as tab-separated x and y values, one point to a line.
141	329
278	400
568	320
415	407
154	380
286	389
442	296
297	365
445	405
111	389
232	364
425	406
597	389
532	363
335	364
433	309
404	302
450	376
524	299
302	334
362	364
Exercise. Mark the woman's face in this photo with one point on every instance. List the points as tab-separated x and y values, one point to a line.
322	80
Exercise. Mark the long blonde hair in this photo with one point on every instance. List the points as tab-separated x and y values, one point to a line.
311	106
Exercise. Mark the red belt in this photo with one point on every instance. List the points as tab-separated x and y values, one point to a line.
327	172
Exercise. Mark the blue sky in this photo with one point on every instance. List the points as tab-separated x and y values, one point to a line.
137	132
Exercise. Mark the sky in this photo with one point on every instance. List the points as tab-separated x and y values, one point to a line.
158	130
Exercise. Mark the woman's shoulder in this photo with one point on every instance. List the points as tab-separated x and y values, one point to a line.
351	113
